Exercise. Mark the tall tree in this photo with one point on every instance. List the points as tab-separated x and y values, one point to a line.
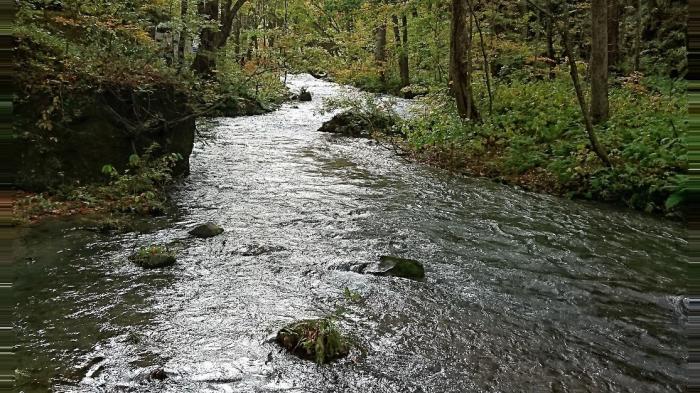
212	39
183	32
380	50
599	61
614	15
460	61
401	39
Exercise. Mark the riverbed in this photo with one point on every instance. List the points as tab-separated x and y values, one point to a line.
523	291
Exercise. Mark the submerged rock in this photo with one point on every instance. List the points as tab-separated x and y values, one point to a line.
358	125
206	230
153	257
254	250
157	374
399	267
314	339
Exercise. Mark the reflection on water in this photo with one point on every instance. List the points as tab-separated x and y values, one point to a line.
524	292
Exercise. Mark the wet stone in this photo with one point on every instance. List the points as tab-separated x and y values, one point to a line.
305	96
157	374
153	256
399	267
206	230
314	339
254	250
154	261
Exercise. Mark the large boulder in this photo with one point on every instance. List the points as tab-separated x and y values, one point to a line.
314	339
206	230
398	267
358	125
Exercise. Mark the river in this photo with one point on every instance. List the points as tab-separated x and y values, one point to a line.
523	291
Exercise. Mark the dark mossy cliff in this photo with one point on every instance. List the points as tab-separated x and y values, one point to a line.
94	91
107	129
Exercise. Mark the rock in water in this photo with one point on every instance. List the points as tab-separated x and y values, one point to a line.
358	125
305	96
153	256
158	374
206	230
314	339
400	267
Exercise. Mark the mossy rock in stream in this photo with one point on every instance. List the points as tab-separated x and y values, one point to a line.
314	339
153	257
234	106
399	267
206	230
357	124
305	95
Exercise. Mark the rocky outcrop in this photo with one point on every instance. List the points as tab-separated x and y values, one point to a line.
108	128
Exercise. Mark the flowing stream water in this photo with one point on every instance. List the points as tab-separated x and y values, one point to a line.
523	292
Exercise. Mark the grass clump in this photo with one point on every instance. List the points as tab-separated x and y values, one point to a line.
314	339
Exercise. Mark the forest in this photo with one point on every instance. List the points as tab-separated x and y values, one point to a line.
552	97
350	195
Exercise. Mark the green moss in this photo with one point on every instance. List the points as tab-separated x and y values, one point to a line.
153	257
314	339
401	267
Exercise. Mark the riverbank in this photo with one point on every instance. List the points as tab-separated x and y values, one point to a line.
534	138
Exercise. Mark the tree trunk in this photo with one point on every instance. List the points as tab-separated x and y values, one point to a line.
599	61
460	43
638	36
405	67
614	15
183	33
402	51
551	54
587	119
211	40
237	38
380	51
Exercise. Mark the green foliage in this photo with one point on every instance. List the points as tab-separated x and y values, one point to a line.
146	252
536	126
141	188
317	339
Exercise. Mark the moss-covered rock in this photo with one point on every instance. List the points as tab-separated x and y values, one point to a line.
153	257
206	230
241	106
314	339
413	91
305	95
399	267
358	125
